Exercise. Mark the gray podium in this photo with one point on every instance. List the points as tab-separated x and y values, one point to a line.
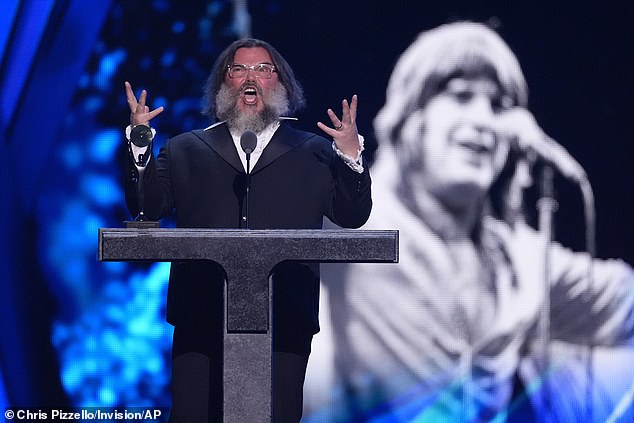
248	256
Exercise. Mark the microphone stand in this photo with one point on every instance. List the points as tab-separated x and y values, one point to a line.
546	205
248	142
248	188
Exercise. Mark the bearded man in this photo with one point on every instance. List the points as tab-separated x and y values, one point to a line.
297	178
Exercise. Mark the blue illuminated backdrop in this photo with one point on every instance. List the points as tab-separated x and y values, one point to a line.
112	339
108	329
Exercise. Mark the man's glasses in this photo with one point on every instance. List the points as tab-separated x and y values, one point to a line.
261	70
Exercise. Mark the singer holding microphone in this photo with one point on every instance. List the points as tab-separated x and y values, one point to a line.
446	334
294	179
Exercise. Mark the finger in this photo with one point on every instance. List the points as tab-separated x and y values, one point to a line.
155	112
145	118
345	111
328	130
333	118
132	103
353	108
146	109
142	99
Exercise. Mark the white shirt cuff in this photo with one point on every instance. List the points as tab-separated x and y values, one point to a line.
353	163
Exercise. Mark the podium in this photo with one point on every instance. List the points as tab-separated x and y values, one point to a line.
248	256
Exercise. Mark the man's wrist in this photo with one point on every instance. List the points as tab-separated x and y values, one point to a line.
354	163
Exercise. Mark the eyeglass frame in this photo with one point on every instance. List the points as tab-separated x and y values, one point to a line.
246	69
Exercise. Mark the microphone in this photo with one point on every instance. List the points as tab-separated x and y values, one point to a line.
141	135
557	156
519	126
248	142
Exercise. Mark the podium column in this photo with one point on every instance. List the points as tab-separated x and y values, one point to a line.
248	256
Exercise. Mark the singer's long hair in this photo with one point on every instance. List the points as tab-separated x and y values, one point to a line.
284	72
458	49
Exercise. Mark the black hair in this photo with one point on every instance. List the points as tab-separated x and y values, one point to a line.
285	74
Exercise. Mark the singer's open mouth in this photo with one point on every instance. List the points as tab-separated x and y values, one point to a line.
475	142
250	95
475	147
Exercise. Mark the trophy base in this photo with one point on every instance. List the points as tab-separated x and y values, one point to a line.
142	224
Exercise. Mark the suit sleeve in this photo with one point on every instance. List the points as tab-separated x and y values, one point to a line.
351	200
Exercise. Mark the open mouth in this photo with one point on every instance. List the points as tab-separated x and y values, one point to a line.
475	147
250	95
476	142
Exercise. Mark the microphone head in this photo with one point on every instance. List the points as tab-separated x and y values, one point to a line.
248	141
141	135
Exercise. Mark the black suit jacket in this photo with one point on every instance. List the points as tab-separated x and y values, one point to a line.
297	180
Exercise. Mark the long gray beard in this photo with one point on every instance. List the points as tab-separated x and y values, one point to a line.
275	105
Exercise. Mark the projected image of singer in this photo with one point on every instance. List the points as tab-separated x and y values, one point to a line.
441	336
296	178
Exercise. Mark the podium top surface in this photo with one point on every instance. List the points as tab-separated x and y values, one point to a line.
323	245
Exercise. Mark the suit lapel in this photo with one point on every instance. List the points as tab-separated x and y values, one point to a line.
219	139
285	139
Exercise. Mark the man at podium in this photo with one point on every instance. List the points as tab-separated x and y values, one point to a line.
209	178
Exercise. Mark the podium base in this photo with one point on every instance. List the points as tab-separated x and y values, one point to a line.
142	224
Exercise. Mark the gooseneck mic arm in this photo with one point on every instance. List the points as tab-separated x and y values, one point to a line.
248	142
